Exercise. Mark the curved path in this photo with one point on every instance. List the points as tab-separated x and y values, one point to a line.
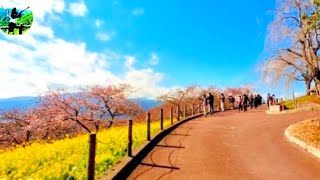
231	145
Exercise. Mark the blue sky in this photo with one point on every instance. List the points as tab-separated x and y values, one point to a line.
155	45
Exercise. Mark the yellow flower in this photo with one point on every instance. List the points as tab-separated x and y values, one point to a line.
68	158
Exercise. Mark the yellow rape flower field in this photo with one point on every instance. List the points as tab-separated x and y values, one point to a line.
67	158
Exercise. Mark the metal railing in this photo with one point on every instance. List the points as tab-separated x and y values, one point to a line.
20	27
93	139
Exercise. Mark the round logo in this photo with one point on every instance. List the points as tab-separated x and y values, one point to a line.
15	19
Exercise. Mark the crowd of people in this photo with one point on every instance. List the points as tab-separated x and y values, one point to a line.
252	101
272	100
243	102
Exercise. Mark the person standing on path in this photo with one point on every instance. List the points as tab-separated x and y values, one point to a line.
231	102
240	102
204	104
269	100
256	101
251	101
245	102
260	101
222	99
211	102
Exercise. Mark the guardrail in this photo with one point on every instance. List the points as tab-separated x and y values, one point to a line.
93	140
20	27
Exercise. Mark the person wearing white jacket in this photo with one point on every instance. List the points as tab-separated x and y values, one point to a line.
222	99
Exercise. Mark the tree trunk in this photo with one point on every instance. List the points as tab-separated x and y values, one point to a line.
308	87
317	88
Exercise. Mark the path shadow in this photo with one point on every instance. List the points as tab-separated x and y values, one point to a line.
168	146
159	166
126	171
178	135
173	149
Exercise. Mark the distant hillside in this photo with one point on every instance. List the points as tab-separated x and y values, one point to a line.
147	104
18	102
24	102
303	101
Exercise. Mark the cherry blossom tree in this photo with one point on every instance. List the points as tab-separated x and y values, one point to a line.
111	102
60	113
294	44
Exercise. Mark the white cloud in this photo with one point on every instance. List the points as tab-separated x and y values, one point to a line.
56	61
98	23
129	61
102	36
154	59
138	12
38	30
146	82
78	8
299	94
13	3
39	60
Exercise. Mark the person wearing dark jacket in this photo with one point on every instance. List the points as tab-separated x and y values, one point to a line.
259	101
256	101
245	102
231	102
240	103
210	99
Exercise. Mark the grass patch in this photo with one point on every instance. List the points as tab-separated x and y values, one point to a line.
303	99
308	131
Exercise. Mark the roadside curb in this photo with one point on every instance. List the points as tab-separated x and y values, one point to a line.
127	164
311	149
292	111
277	113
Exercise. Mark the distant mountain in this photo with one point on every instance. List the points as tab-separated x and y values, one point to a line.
24	102
18	102
147	104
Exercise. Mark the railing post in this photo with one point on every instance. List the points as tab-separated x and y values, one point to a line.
130	138
92	155
185	111
178	113
171	115
161	119
148	126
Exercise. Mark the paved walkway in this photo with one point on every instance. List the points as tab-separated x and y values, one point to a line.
231	145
